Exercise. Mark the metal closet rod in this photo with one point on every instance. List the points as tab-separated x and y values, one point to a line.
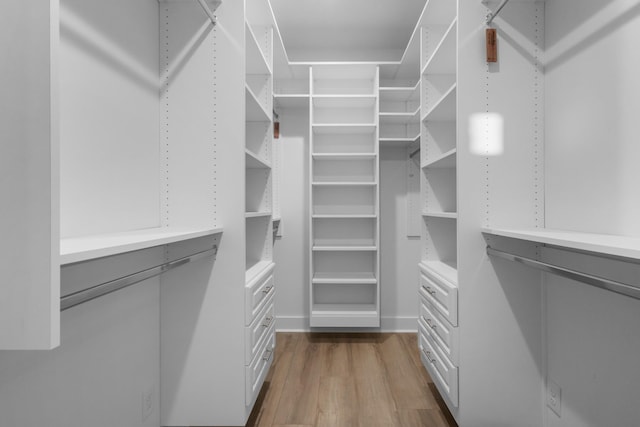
632	291
492	16
105	288
412	155
208	11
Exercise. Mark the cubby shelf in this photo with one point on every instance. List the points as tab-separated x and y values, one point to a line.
254	162
101	245
255	110
344	184
449	215
257	214
291	101
400	140
256	61
400	118
445	108
443	59
343	156
445	160
442	268
344	128
254	268
365	278
400	94
344	248
342	216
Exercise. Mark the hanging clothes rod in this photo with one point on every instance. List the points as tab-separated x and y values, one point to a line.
102	289
412	155
632	291
491	16
208	11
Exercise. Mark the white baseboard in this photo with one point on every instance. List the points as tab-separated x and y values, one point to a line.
388	324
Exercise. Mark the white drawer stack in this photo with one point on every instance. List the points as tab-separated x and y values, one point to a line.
438	331
260	338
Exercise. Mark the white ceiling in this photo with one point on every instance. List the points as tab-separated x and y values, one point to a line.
346	30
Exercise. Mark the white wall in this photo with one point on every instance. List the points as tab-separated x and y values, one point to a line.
592	178
399	254
108	358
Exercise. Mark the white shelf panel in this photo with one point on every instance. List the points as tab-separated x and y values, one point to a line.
255	268
445	109
399	94
97	246
255	110
256	61
443	59
344	184
450	215
605	244
445	160
448	270
344	248
344	101
257	214
400	118
254	162
344	315
291	101
354	128
343	216
389	142
365	278
343	156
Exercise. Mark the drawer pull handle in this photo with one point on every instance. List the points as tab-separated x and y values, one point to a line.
429	322
428	354
267	289
429	290
267	355
267	322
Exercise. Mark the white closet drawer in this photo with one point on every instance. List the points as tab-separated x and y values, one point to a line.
442	295
443	373
257	332
440	330
256	372
257	292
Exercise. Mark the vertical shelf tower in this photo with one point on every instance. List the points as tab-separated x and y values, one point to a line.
344	196
438	320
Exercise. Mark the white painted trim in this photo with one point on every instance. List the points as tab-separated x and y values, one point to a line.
389	324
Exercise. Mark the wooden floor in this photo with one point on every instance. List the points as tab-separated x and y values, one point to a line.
348	380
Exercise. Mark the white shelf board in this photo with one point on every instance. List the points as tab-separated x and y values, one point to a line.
344	101
443	59
445	160
347	128
444	109
400	118
291	101
449	215
343	184
399	94
445	269
254	268
342	216
344	315
402	141
343	156
605	244
255	110
254	162
256	63
85	248
344	248
257	214
364	278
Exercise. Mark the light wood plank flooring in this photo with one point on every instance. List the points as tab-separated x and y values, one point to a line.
348	380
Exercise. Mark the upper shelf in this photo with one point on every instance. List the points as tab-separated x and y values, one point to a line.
254	162
443	59
606	244
400	118
399	94
444	109
85	248
255	110
291	101
256	61
344	101
445	160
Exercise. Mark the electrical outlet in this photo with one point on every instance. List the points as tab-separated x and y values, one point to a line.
554	397
148	399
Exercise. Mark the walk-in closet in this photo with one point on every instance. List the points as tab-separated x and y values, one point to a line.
412	213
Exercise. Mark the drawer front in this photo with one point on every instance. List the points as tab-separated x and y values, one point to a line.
257	332
256	372
442	295
440	330
442	371
257	292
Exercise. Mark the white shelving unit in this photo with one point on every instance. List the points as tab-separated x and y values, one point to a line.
399	115
438	186
344	186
